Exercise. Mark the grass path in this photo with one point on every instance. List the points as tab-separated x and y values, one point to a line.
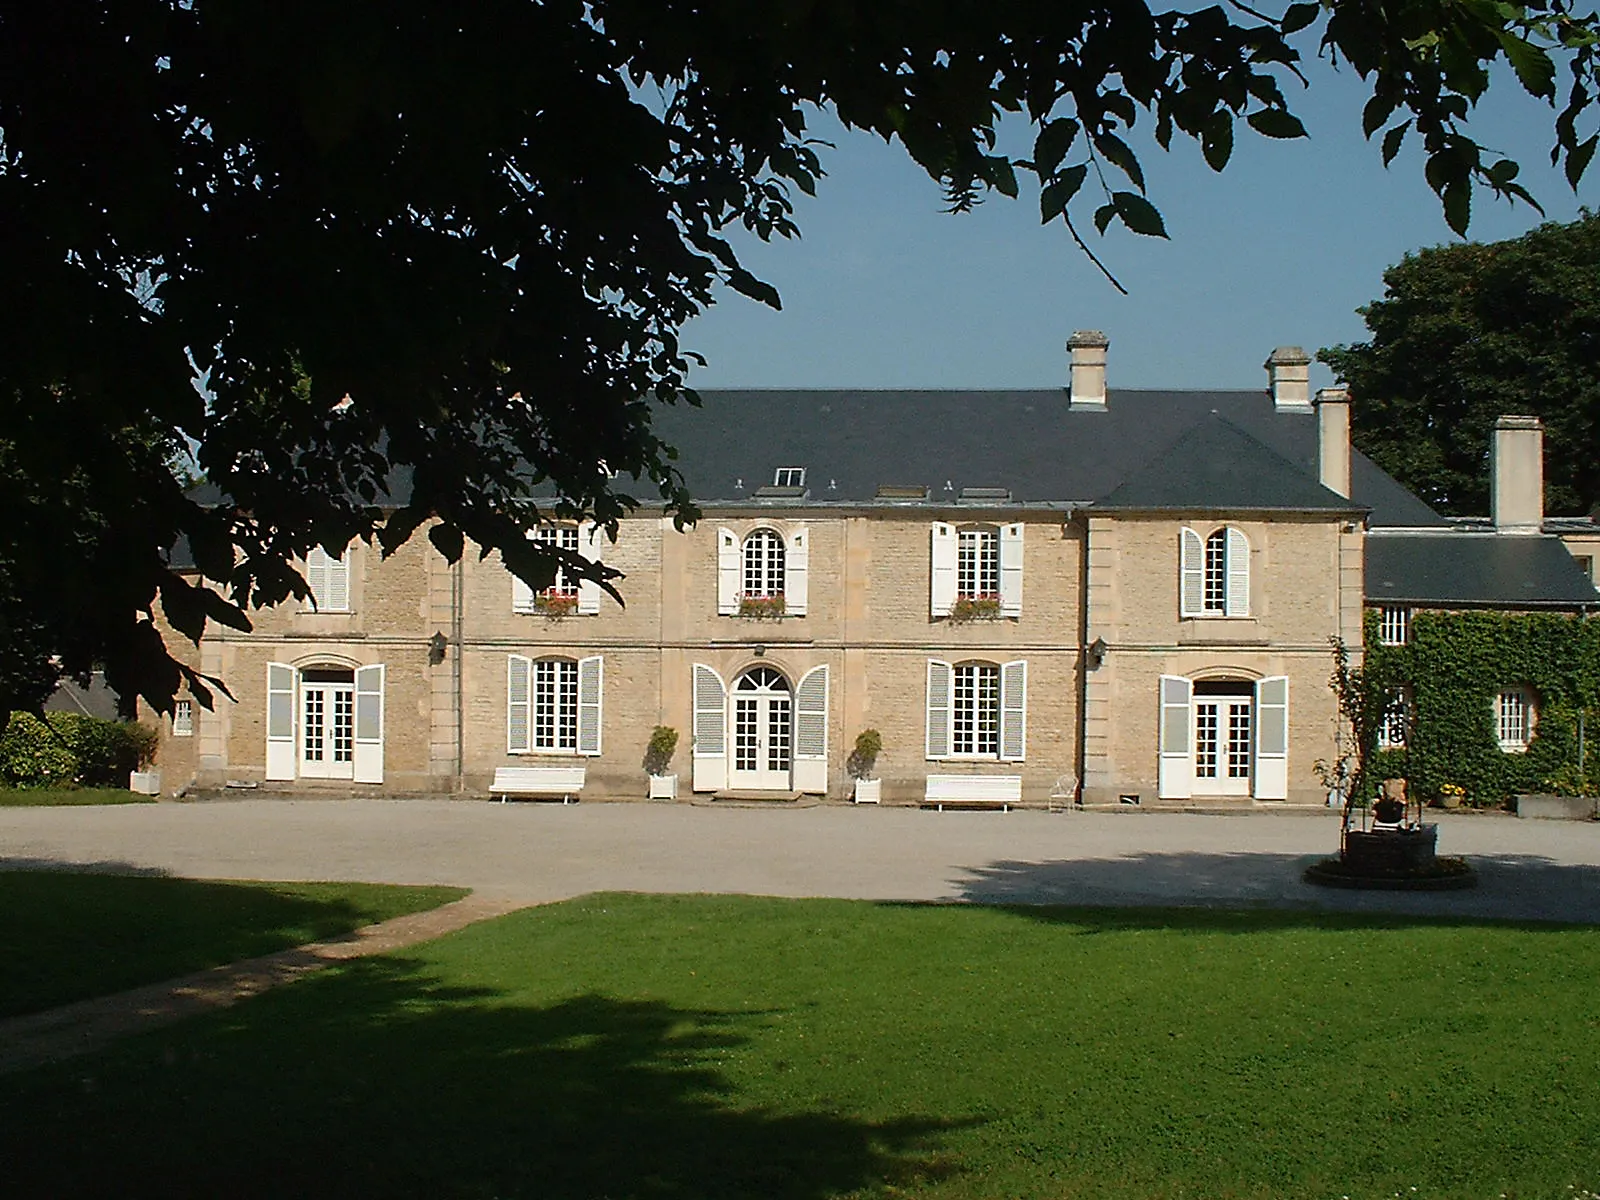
68	936
687	1047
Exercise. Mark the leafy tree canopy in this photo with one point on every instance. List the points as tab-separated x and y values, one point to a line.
425	254
1466	333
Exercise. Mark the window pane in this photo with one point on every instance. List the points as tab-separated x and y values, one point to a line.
1216	589
555	704
975	718
978	563
763	564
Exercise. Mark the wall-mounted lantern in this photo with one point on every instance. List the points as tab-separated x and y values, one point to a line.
1095	654
436	649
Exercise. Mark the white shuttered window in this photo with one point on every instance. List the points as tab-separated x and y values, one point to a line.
977	710
1213	573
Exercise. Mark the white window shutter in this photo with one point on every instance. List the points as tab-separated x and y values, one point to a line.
811	732
338	592
796	568
1014	711
710	739
1272	738
1011	570
727	573
1191	573
521	595
519	704
317	577
942	574
1175	729
369	725
591	543
591	683
280	721
941	676
1238	598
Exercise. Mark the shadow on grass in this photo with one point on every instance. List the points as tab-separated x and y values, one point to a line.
1512	887
89	929
374	1080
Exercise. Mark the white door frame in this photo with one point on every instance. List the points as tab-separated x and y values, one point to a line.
1223	729
326	729
761	731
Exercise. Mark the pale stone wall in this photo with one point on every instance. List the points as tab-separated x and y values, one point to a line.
1305	589
868	620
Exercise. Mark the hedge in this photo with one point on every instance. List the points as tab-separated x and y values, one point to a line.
72	749
1455	664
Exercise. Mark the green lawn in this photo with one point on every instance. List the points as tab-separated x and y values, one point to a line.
684	1047
67	936
44	797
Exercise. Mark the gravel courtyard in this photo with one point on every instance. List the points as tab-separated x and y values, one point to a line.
1542	870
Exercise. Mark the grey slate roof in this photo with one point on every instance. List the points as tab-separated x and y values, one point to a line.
1458	569
1030	442
1215	464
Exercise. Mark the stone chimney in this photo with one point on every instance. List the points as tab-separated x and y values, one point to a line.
1289	379
1333	440
1088	349
1517	475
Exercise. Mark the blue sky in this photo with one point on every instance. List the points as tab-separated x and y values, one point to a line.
885	290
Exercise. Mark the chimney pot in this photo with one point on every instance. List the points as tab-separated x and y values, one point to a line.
1087	348
1517	474
1289	379
1333	440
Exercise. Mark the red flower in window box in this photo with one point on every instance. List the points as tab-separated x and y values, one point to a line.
981	606
555	604
761	608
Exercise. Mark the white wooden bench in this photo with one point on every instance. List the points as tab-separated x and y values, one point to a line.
973	791
537	783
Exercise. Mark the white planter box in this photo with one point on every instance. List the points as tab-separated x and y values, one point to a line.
869	791
663	787
145	783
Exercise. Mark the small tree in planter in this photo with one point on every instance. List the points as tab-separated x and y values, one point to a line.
869	744
1402	857
657	757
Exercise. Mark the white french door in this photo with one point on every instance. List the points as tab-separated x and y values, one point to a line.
1223	745
763	731
327	730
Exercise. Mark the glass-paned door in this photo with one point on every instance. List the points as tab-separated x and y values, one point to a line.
762	714
1223	739
327	725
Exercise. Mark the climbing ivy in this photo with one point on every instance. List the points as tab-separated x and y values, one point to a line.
1456	663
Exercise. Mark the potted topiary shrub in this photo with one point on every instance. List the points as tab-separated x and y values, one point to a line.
657	757
869	744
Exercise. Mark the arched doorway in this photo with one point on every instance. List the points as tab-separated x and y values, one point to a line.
1224	736
763	730
327	723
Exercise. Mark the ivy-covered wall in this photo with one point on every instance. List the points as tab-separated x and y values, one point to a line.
1456	663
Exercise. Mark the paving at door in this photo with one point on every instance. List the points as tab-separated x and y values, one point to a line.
513	855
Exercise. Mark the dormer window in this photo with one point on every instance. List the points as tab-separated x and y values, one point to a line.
789	477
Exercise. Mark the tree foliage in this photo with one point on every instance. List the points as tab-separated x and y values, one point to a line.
1466	333
427	257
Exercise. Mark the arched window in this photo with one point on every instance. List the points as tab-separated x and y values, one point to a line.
1216	593
763	572
1214	573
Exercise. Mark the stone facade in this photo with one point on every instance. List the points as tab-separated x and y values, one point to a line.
867	619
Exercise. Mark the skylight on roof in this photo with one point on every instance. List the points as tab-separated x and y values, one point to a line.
789	477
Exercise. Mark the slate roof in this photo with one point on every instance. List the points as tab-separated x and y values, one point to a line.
1031	443
1215	464
1461	569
